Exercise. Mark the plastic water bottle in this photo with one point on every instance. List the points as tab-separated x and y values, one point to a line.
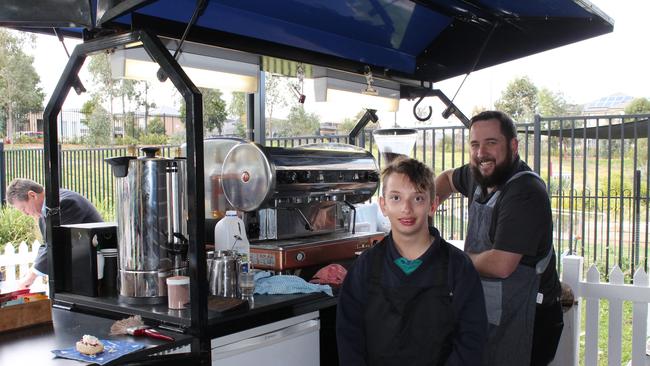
230	234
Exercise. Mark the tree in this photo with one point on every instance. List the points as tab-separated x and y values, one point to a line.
19	90
156	126
125	90
275	89
89	106
519	100
100	71
300	123
638	106
551	103
99	127
142	100
349	123
237	107
214	110
237	110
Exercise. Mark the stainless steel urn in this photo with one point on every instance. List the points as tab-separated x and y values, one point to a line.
151	204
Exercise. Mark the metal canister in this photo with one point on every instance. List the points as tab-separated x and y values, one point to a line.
151	224
224	274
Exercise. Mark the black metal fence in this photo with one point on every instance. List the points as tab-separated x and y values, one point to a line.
82	170
596	170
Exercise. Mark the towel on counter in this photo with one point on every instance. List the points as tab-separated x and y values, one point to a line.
112	351
265	284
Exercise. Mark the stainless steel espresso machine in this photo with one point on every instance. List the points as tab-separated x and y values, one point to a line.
299	202
151	216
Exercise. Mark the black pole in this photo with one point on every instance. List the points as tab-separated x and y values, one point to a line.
259	114
369	116
537	148
3	176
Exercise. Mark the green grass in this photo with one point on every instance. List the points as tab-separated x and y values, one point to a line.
603	326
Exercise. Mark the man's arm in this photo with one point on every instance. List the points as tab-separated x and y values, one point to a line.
445	185
495	263
27	280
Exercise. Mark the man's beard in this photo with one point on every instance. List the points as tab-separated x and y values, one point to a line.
500	174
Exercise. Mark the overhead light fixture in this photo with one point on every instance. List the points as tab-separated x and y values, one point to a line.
365	91
207	67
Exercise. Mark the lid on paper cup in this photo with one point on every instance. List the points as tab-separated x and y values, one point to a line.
178	280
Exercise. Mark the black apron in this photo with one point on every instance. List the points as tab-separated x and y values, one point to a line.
510	302
409	325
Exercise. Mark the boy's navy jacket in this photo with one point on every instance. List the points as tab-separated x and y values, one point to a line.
467	304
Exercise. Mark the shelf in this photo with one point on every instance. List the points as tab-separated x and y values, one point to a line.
265	309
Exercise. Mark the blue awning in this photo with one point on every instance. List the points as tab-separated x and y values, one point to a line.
427	40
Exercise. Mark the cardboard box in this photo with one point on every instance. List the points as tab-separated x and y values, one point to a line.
25	315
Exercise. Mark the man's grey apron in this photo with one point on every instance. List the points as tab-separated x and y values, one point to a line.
510	302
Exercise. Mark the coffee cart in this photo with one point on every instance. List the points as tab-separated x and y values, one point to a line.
408	44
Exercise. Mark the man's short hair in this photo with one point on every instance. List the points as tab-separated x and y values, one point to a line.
419	174
508	128
18	189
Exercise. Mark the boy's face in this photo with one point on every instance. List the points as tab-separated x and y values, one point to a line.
407	208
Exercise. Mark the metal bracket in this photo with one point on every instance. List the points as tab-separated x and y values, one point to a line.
412	92
369	116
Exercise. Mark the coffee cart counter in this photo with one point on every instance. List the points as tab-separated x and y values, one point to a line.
33	345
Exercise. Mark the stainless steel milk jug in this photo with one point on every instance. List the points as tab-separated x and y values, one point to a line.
224	274
151	202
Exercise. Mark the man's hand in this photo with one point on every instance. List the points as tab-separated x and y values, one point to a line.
27	280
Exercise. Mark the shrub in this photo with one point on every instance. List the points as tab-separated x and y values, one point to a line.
23	139
153	139
105	208
16	227
126	141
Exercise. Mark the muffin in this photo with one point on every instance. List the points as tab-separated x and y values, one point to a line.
89	345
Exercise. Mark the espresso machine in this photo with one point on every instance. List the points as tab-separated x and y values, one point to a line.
299	202
152	232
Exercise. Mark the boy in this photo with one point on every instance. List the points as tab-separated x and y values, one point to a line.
413	299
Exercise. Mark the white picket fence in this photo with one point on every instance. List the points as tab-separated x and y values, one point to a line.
593	291
11	260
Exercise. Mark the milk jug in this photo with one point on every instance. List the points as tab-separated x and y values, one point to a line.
230	234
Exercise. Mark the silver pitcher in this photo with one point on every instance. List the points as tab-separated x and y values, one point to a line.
151	224
224	276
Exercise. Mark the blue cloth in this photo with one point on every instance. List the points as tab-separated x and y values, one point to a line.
112	351
265	284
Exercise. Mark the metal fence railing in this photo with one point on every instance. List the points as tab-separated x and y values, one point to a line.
596	170
82	170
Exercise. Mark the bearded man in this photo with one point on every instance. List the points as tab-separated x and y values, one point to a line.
509	240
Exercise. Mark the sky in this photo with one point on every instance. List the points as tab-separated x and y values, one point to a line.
584	71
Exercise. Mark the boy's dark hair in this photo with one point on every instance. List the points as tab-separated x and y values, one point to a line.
508	128
19	187
420	174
